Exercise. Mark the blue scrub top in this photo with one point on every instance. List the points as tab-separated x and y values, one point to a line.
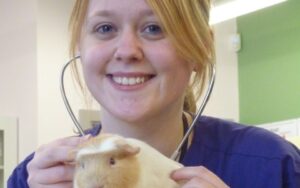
242	156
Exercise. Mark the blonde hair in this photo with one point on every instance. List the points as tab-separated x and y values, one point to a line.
186	23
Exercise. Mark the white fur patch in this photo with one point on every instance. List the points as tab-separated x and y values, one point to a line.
105	146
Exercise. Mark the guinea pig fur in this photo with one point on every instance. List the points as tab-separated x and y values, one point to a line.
112	161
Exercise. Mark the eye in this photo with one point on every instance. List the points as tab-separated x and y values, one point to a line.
153	29
153	32
112	161
104	28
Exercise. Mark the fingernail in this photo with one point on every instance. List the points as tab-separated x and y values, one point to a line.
87	137
172	173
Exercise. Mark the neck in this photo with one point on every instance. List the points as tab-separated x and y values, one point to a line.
163	132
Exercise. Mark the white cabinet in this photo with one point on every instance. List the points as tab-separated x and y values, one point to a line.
288	129
8	148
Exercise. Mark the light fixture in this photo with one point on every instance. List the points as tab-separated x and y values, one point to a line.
236	8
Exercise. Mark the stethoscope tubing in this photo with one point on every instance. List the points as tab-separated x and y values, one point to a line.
65	99
206	98
176	153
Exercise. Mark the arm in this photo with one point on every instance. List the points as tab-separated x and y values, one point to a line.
291	170
18	179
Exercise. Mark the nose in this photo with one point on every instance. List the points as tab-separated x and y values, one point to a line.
129	48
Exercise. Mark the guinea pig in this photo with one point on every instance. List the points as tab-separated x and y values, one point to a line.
112	161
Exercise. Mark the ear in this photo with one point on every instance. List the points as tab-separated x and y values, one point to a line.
212	33
195	67
125	149
77	51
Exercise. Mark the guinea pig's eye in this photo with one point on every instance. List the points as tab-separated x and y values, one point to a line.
112	161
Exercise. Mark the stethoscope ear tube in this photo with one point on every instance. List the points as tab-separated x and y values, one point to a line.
212	77
65	99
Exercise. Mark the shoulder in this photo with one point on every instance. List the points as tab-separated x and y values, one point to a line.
244	156
18	178
235	138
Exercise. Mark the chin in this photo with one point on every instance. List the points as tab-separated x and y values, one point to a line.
132	116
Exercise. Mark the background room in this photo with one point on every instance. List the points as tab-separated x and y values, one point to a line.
257	83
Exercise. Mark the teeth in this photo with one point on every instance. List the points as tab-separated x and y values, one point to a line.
125	81
129	81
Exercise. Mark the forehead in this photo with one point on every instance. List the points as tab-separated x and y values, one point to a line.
118	6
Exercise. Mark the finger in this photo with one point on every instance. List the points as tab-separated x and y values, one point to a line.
51	157
58	185
54	175
198	183
188	173
57	152
68	141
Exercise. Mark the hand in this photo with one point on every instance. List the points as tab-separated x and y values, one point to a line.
52	165
197	177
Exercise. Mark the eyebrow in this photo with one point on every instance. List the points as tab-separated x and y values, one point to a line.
107	13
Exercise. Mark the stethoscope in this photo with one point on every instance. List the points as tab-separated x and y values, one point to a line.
212	75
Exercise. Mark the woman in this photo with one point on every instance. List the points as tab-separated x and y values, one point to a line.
138	57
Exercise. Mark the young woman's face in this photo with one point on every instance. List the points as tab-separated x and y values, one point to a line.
129	64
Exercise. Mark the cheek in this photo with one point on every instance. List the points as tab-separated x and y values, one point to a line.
167	60
94	58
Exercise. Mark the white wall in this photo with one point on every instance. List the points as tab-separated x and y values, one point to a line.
18	73
224	102
53	120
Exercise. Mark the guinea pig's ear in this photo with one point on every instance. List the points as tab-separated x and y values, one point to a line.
125	149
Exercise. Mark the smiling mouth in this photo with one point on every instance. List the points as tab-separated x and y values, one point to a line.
130	80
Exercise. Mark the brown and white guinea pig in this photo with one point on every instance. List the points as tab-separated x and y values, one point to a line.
111	161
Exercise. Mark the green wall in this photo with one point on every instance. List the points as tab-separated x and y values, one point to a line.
269	64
